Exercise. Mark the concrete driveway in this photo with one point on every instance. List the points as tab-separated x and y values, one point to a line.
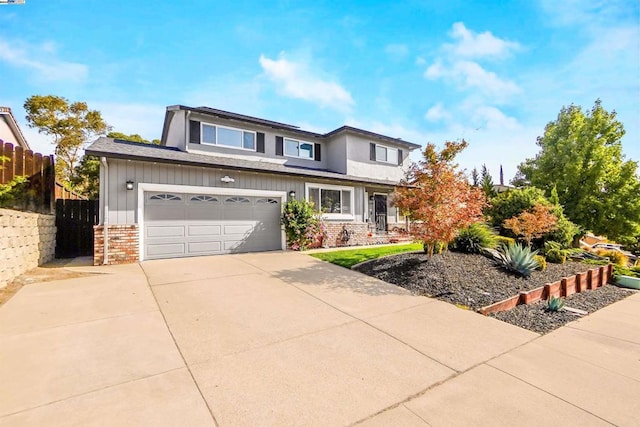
285	339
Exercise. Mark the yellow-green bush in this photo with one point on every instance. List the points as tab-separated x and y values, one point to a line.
556	256
615	257
503	240
542	262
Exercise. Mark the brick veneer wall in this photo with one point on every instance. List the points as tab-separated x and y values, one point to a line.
27	240
360	233
123	244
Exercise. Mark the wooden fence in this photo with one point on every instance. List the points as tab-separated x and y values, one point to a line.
74	222
66	194
38	193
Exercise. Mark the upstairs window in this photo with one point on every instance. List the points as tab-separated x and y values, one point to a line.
386	154
228	137
293	148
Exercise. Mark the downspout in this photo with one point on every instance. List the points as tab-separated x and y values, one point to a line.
105	217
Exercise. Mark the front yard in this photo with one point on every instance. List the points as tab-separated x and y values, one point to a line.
473	281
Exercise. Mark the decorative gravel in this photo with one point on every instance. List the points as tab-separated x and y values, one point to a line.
470	280
476	281
535	317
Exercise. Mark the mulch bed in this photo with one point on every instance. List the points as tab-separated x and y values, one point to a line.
535	317
470	280
476	281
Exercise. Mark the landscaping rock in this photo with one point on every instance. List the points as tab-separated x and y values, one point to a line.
535	318
465	279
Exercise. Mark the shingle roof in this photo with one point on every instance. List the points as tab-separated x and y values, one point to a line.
113	148
290	128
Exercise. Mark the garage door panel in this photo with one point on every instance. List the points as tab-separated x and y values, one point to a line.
180	224
165	231
205	247
205	230
203	213
165	250
242	229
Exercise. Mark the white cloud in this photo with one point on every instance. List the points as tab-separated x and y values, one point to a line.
492	119
435	70
396	51
437	113
42	61
470	75
297	80
474	45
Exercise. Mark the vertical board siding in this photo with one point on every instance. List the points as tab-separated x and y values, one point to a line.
123	203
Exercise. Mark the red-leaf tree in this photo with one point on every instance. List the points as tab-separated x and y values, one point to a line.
533	223
437	197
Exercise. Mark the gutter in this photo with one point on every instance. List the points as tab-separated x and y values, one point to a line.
105	217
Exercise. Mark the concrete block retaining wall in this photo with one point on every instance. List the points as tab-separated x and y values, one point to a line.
27	240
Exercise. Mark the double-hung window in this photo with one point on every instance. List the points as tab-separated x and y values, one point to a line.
294	148
331	200
386	154
228	137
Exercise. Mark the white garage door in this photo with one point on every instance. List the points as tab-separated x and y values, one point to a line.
181	225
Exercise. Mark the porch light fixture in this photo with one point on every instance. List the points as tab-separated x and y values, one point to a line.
292	194
227	179
129	185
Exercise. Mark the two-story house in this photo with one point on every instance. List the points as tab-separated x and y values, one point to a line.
218	181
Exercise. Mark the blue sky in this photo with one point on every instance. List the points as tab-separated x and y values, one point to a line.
492	72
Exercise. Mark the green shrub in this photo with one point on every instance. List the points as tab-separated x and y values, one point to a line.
503	240
556	256
475	238
623	271
302	224
518	259
542	262
551	245
555	304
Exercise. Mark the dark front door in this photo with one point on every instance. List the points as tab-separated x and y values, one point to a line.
380	211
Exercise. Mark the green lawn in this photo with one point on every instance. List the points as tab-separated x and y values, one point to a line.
348	258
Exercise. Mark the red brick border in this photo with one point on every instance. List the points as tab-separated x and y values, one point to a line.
591	279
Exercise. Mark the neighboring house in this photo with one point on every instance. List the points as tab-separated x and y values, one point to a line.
218	181
10	131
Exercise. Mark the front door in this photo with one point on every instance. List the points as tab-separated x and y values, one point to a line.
380	211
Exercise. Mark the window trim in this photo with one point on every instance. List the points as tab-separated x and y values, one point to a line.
299	141
216	127
350	216
386	147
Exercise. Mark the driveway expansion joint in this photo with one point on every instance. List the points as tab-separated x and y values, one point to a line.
186	365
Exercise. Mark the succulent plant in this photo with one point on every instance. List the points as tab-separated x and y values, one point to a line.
555	304
518	259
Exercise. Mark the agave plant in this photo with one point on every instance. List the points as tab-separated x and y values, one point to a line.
517	258
555	304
